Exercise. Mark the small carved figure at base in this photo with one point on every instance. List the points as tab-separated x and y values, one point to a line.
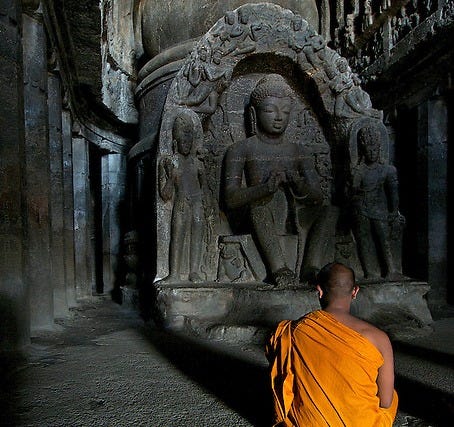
232	266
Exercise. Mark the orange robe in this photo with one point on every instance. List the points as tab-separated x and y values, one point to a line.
324	373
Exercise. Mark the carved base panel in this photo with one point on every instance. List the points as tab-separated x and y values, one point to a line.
246	312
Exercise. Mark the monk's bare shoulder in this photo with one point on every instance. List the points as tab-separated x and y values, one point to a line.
375	335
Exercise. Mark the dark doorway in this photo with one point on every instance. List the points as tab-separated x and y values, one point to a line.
95	226
411	163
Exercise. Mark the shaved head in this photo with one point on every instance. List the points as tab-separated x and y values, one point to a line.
336	280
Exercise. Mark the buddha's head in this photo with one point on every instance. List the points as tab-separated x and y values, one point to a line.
271	105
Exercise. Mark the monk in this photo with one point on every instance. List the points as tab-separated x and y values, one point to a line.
330	368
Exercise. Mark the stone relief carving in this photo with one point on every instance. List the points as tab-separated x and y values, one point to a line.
267	171
180	182
368	18
377	223
274	169
232	264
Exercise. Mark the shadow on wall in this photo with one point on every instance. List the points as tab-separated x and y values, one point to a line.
240	384
9	361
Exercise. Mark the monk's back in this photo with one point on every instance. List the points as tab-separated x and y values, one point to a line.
332	379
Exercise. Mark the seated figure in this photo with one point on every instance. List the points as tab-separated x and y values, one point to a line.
270	165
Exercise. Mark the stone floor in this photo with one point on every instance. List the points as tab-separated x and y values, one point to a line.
105	367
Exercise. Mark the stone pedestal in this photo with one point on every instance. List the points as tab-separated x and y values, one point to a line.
248	311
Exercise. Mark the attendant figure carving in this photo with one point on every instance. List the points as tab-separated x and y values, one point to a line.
201	94
368	18
375	200
232	265
272	167
298	38
181	178
351	100
237	36
313	53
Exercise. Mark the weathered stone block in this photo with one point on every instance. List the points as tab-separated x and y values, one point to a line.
244	312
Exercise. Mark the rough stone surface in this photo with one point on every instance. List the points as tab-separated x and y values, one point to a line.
37	179
237	311
54	102
15	322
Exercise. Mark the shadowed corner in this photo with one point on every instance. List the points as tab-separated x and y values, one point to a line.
241	384
10	359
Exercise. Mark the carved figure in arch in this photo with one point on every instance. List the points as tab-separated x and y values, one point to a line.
351	100
313	53
368	18
226	32
394	31
271	166
237	36
414	16
202	96
375	200
349	32
298	38
403	21
181	179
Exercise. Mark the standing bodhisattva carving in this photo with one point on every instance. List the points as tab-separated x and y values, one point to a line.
181	180
375	200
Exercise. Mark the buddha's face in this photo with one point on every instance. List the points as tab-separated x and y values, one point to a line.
183	134
273	114
371	151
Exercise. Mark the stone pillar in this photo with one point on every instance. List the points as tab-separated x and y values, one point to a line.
113	191
82	240
56	195
14	312
433	136
68	208
37	183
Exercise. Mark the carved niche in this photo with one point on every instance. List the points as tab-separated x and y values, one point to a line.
212	95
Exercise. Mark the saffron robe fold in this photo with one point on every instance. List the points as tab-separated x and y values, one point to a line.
324	373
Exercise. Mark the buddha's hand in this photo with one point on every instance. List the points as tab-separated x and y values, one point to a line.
274	180
297	183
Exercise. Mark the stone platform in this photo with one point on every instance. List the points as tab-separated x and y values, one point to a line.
246	311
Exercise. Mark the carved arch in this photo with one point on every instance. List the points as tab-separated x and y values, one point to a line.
208	73
261	29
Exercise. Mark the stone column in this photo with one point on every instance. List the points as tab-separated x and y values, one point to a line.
14	311
113	191
56	195
433	136
68	208
82	241
37	183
